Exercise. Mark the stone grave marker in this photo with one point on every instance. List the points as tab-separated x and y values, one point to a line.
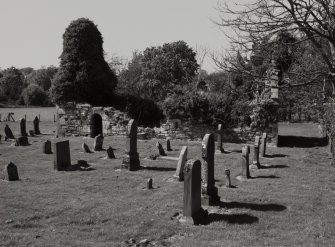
22	141
98	143
219	147
149	184
208	190
160	149
181	164
110	153
244	162
23	129
168	145
85	148
62	158
11	173
47	147
37	126
228	181
192	211
8	133
255	162
31	133
263	145
131	159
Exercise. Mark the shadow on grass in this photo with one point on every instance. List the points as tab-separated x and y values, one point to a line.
234	151
231	218
253	206
301	141
270	156
153	168
79	167
267	176
273	166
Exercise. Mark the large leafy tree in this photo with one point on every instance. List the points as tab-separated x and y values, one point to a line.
11	83
42	77
83	75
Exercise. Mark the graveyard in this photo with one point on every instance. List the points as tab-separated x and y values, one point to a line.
288	202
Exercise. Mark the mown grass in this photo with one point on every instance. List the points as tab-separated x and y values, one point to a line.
289	204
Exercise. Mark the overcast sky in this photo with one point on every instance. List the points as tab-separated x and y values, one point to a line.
31	30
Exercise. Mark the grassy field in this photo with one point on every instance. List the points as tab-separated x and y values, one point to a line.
289	204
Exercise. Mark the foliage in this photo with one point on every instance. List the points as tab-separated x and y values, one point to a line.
83	75
42	77
11	83
35	95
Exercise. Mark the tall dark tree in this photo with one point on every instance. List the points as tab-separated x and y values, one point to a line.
83	75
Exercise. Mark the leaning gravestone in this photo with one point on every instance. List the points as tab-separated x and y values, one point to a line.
110	153
85	148
131	159
244	163
23	130
98	143
168	145
22	141
193	212
263	146
160	149
208	190
11	173
181	164
219	139
47	147
8	133
255	162
62	158
37	126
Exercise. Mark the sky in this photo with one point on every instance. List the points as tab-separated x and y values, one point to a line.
31	30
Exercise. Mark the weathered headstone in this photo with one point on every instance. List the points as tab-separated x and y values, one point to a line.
23	129
168	145
131	158
263	145
37	126
11	173
149	184
160	149
62	158
181	164
255	162
31	133
22	141
244	162
98	142
208	190
47	147
219	139
228	182
110	153
192	211
8	133
85	148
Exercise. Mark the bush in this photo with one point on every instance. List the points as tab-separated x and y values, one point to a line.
34	95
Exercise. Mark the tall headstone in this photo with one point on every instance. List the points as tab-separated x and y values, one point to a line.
263	145
62	158
160	149
131	159
11	173
208	190
98	143
244	162
47	147
168	144
181	164
8	133
37	125
219	147
23	129
255	162
192	211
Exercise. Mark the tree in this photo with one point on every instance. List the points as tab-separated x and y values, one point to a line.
83	75
12	83
42	77
35	95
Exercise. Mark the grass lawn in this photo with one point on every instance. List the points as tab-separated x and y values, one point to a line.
289	204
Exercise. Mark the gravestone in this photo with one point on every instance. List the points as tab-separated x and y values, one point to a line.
47	147
228	182
11	173
192	211
168	145
85	148
37	126
62	158
244	162
149	184
31	133
8	133
181	164
110	153
219	139
23	130
98	143
208	190
95	125
160	149
131	159
22	141
263	145
255	162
